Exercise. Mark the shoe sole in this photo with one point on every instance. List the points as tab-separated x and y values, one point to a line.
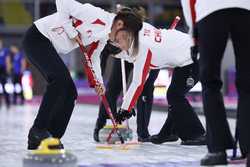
194	144
165	141
212	164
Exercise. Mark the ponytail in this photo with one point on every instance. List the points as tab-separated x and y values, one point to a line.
140	12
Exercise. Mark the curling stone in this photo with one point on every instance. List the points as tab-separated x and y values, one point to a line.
46	157
126	133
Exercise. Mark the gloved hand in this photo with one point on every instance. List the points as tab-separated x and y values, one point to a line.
99	89
122	115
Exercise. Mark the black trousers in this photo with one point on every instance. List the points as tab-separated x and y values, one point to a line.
17	79
144	103
213	33
182	120
59	98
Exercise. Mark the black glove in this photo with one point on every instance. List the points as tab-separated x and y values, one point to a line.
122	115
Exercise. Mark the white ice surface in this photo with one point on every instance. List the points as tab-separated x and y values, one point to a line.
15	123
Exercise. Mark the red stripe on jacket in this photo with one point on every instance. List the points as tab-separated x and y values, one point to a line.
192	8
92	48
144	76
87	69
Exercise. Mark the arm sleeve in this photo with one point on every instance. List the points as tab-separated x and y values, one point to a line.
140	74
65	9
96	62
72	8
92	68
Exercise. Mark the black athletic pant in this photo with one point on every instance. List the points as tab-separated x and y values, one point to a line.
213	33
17	79
3	80
182	120
144	103
58	101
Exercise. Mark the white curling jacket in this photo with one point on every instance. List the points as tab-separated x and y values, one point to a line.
195	10
93	24
158	48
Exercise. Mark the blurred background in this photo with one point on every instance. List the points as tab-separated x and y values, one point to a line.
17	15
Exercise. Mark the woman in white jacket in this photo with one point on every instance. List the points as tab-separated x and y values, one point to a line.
160	48
215	21
61	32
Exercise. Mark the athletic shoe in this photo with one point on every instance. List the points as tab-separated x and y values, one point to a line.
144	139
96	135
218	158
36	136
201	140
157	139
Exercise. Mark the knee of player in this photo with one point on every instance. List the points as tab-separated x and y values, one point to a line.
61	80
64	83
148	90
70	87
174	96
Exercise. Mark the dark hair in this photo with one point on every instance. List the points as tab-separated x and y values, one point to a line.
132	20
139	11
